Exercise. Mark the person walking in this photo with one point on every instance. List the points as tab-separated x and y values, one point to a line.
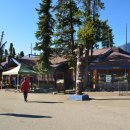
25	88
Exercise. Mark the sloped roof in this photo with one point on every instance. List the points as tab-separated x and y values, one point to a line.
20	69
3	63
118	55
116	59
27	62
57	59
97	52
31	57
102	57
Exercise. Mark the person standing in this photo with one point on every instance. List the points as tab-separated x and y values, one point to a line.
25	88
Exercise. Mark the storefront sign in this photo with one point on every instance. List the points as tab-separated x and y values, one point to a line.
108	78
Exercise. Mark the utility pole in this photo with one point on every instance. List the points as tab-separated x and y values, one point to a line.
31	48
109	39
126	39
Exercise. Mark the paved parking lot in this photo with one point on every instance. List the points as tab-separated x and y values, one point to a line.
106	111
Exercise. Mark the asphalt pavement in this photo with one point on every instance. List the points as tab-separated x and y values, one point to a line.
56	112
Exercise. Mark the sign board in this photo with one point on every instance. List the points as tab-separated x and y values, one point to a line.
108	78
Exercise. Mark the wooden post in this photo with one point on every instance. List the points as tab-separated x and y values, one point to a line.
17	82
94	78
79	71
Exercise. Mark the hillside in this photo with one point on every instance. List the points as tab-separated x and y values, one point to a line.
124	47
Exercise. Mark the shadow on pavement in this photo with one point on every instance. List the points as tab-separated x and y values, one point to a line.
43	102
25	115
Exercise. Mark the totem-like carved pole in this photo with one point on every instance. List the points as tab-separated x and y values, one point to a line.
79	70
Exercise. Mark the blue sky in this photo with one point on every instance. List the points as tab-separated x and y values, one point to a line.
117	13
18	20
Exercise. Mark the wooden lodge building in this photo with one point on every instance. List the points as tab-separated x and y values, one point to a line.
109	70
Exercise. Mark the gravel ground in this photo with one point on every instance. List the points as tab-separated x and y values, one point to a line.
105	111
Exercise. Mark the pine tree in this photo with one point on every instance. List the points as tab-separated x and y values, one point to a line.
6	52
107	36
88	35
2	45
44	32
67	20
5	55
21	54
11	51
14	53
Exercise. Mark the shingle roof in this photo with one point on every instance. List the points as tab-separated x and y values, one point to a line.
29	63
97	52
57	59
114	59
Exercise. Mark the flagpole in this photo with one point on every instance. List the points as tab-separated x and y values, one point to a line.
126	39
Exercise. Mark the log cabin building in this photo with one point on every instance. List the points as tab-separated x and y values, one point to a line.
109	70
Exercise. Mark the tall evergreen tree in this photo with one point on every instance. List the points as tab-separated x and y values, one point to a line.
44	32
107	36
11	51
2	45
14	53
67	19
5	55
6	52
21	54
89	34
93	31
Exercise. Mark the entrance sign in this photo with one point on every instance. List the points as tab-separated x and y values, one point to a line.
108	78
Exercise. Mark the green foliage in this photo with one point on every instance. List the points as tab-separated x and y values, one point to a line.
14	53
2	45
71	62
40	69
34	86
6	52
93	29
107	36
67	19
21	54
11	51
87	32
44	32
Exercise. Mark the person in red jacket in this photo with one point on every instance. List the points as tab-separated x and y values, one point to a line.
25	88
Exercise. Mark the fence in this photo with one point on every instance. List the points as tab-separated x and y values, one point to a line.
122	87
